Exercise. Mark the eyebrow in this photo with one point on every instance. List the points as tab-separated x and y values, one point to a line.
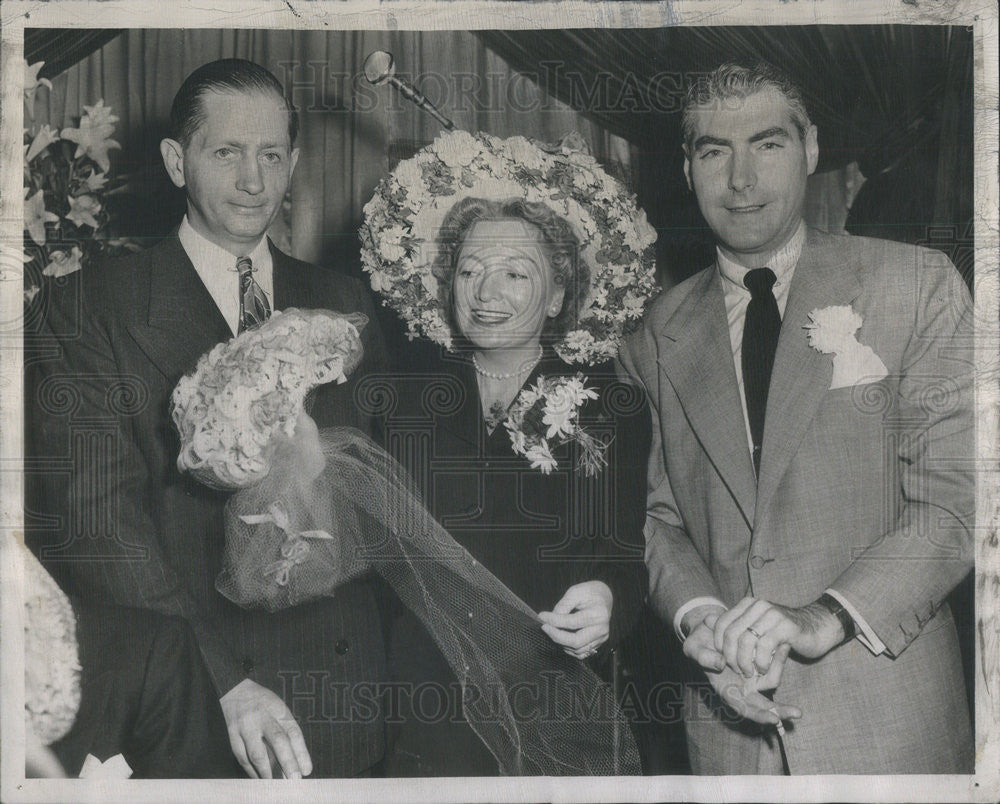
774	131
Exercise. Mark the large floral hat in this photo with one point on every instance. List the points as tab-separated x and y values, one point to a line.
403	219
253	386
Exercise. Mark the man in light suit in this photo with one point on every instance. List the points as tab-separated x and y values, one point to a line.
809	549
125	525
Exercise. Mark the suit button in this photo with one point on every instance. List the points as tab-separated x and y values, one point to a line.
247	666
757	562
341	646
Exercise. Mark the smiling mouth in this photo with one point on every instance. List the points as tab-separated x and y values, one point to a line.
490	316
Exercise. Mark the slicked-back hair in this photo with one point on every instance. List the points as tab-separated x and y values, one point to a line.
187	113
559	243
734	80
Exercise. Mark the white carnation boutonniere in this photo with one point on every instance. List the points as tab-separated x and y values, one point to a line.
546	415
831	330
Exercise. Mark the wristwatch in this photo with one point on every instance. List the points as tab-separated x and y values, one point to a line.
831	604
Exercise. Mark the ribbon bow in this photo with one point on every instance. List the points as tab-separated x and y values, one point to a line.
295	547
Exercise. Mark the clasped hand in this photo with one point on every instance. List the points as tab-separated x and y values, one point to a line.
581	621
743	650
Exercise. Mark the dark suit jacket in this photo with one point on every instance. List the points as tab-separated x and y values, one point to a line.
120	524
539	534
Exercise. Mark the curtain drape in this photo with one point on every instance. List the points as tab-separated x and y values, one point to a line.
351	133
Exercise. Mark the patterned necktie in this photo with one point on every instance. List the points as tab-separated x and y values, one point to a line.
254	309
760	341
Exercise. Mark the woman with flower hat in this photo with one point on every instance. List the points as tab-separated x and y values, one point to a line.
519	261
313	510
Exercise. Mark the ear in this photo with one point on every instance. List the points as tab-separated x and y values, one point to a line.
812	148
687	167
173	160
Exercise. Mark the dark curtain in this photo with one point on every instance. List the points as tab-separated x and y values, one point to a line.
61	48
895	99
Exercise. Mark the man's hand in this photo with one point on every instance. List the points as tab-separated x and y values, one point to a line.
699	646
743	695
581	620
259	721
751	632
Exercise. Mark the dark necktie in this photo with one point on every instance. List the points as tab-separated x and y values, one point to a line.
254	309
760	340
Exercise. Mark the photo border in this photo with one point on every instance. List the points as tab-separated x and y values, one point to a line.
16	15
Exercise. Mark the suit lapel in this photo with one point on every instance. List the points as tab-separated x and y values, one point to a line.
288	291
181	320
801	375
699	366
465	423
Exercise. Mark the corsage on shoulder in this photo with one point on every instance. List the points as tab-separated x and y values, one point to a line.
546	415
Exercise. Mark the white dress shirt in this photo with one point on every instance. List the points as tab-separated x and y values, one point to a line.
216	268
737	297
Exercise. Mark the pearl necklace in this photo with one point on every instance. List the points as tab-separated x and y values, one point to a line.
494	376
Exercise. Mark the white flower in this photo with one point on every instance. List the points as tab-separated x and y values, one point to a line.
82	210
92	138
380	282
389	251
619	277
42	140
560	412
579	339
100	116
457	148
524	153
31	84
96	181
63	264
409	174
541	458
36	216
832	327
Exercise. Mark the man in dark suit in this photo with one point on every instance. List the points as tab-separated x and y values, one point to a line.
295	687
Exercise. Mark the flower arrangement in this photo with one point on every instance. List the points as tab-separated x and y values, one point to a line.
547	414
403	219
67	179
248	389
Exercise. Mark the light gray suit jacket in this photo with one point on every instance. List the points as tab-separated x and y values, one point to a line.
866	489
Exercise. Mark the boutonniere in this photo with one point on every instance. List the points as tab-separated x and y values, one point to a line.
546	415
831	330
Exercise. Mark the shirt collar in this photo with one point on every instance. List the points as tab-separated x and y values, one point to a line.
782	262
207	256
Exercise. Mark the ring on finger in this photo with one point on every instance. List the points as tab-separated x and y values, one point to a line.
754	631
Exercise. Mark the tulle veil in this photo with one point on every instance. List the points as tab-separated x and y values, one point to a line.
291	538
